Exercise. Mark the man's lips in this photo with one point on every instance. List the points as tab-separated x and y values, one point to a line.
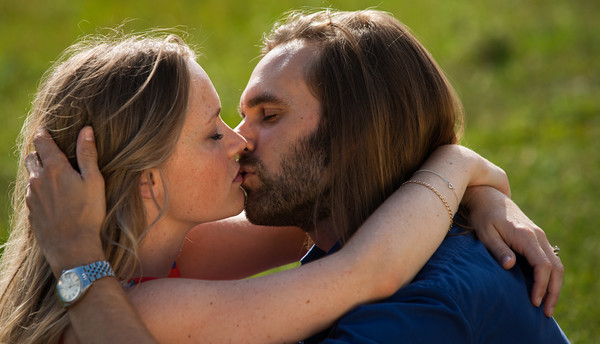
246	172
247	175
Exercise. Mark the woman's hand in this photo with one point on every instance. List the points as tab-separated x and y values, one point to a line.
501	225
498	222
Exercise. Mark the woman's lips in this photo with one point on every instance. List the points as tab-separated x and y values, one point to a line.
239	178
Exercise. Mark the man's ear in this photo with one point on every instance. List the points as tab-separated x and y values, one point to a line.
150	184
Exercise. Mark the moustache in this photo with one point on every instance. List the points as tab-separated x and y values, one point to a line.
249	160
251	163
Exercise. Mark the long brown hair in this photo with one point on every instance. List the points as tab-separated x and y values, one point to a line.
385	102
133	90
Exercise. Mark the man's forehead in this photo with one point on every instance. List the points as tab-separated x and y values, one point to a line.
278	64
282	68
292	53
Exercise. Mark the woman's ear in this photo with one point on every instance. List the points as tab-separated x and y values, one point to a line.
151	184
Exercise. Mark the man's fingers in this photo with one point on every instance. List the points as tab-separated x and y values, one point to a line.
48	152
33	164
87	155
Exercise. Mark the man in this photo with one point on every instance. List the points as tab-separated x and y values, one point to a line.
391	92
297	154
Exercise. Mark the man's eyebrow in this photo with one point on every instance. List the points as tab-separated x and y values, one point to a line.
265	98
261	99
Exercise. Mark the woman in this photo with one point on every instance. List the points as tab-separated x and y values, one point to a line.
155	115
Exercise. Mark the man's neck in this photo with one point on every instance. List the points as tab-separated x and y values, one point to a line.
323	236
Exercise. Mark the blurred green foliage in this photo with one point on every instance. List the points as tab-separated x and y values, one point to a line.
527	71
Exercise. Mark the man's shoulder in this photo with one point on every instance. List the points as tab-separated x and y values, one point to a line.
462	294
463	266
464	270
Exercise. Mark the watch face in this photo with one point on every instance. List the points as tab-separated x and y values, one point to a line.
69	286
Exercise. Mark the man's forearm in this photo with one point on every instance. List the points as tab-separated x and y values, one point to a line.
105	315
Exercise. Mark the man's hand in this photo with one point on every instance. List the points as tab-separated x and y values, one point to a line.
499	224
66	207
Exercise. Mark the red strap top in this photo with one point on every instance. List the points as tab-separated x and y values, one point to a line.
174	273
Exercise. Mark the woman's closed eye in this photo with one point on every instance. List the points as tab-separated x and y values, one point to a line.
217	137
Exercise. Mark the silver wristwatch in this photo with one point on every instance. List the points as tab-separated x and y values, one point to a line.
73	283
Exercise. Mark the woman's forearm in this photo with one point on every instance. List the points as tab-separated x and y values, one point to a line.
385	253
404	232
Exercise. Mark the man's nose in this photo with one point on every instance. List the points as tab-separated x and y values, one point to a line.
248	133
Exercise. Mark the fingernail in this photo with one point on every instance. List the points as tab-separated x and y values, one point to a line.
550	313
505	259
88	135
538	301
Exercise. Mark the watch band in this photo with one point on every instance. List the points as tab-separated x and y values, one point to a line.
97	270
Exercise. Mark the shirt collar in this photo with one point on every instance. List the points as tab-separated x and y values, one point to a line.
316	253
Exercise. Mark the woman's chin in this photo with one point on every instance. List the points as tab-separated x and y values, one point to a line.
236	206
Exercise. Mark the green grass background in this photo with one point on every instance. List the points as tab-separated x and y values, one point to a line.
527	71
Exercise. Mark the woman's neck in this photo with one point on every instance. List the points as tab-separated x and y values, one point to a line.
160	247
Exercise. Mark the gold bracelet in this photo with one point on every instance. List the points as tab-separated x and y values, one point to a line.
430	187
450	185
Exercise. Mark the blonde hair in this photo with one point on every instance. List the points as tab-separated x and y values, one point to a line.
133	90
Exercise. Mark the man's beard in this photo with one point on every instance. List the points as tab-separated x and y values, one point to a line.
299	194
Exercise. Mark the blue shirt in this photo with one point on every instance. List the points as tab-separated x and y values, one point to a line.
462	295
